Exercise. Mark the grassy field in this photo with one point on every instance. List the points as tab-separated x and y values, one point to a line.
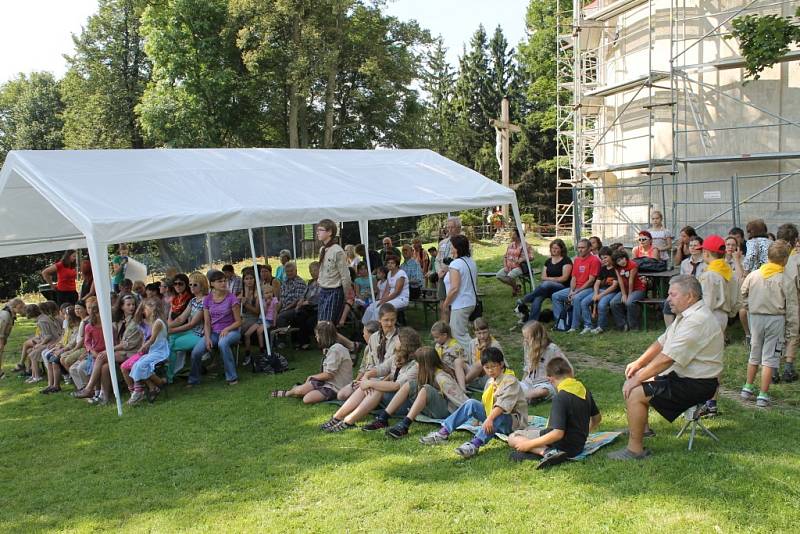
232	459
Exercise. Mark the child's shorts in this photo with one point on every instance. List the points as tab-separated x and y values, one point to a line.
128	364
327	392
766	333
436	405
49	357
527	388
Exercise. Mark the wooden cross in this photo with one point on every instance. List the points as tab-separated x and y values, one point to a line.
505	127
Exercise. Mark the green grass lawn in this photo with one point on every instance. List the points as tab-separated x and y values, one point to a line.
231	459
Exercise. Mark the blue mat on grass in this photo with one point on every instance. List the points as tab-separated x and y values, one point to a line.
594	442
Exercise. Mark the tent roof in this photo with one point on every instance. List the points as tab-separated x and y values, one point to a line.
50	200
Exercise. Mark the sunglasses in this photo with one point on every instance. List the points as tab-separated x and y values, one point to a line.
643	239
179	284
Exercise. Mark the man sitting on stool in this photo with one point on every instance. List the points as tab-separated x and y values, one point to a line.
677	371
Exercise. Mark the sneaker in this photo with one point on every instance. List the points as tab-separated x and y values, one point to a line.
34	380
377	424
789	375
552	457
136	398
329	423
467	450
776	376
586	330
747	392
572	331
67	380
247	360
433	438
763	401
598	330
398	431
341	426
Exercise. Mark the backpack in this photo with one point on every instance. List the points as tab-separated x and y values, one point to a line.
651	265
270	364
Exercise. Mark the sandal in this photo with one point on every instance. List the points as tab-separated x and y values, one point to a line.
280	393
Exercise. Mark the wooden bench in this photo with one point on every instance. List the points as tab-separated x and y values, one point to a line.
655	303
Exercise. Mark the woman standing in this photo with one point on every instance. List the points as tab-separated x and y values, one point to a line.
460	284
66	273
334	275
87	286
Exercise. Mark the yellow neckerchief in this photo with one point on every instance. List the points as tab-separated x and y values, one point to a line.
769	269
492	341
721	267
570	385
441	348
487	399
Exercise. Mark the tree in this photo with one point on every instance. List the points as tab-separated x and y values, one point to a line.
108	73
764	39
30	114
437	81
200	94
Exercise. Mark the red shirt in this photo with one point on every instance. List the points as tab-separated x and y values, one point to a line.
583	268
65	277
625	273
93	338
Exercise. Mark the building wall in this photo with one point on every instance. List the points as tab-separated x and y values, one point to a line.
623	54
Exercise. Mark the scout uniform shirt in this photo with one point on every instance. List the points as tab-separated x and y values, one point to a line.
506	393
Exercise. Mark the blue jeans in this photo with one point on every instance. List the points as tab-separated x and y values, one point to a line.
544	291
474	408
224	344
560	300
628	312
603	306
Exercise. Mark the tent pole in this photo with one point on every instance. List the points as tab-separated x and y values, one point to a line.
518	221
98	254
363	228
258	289
208	250
294	245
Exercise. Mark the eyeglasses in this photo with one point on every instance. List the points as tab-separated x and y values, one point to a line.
643	239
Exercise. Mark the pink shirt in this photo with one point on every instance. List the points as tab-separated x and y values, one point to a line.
93	338
221	312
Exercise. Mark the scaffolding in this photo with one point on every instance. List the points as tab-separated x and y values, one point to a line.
653	113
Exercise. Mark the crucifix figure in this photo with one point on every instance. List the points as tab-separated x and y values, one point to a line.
504	129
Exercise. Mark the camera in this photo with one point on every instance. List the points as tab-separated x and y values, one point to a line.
447	261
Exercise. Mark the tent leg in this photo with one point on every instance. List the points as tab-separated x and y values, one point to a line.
98	253
258	289
208	250
363	228
294	245
518	220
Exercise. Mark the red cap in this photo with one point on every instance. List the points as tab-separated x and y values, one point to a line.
714	243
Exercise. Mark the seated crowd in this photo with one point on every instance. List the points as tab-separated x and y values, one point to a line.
164	329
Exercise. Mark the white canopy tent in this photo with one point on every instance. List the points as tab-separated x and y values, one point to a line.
57	200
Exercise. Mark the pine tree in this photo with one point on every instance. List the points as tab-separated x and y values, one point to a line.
438	80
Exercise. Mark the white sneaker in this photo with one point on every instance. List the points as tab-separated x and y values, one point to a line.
572	330
586	330
598	330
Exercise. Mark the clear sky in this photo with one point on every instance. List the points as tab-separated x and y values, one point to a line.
36	33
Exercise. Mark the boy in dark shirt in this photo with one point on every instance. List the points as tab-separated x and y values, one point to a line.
572	416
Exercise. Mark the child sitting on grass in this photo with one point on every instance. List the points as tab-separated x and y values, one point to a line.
435	394
336	370
374	353
773	308
538	350
449	350
573	415
502	408
472	368
379	385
